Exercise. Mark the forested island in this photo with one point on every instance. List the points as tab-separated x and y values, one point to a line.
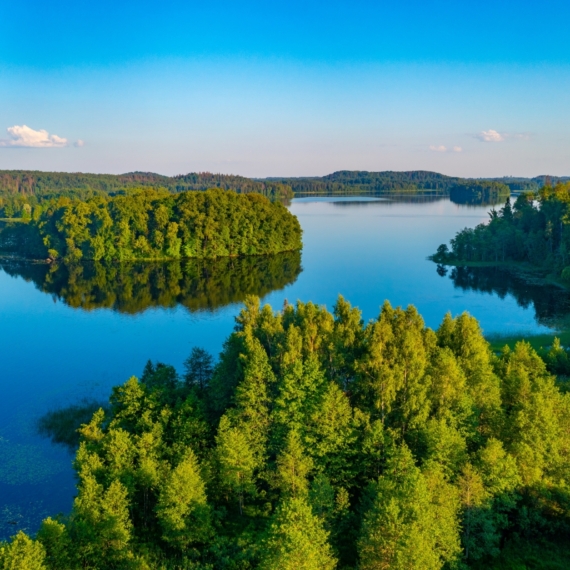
320	442
154	224
134	287
535	230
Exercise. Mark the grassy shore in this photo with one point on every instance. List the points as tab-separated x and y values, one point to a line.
498	340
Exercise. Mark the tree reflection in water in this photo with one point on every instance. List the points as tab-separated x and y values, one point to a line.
551	303
199	285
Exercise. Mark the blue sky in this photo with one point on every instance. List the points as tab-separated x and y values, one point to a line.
297	88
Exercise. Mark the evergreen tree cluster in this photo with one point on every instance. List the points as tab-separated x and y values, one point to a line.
320	442
535	230
151	225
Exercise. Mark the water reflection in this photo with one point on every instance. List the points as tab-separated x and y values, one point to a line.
134	287
551	303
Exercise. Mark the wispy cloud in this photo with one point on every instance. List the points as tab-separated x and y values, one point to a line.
441	148
490	136
494	136
25	137
79	143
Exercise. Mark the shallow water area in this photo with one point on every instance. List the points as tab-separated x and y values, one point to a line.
69	335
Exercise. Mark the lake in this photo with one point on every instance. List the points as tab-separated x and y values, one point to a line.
69	334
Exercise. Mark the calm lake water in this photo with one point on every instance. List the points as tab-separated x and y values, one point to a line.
68	335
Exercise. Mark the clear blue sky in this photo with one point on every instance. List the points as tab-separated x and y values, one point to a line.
473	88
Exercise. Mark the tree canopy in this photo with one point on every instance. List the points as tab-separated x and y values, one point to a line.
535	230
150	225
320	441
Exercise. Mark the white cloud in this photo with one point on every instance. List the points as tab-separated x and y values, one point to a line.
24	136
79	143
441	148
490	136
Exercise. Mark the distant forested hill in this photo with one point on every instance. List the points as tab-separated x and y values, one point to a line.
356	181
21	190
414	181
21	187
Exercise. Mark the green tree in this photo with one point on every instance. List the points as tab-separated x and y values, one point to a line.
296	540
199	368
293	467
22	553
182	508
402	529
236	461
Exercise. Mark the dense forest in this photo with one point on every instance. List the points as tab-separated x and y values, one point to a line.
357	182
21	191
414	182
151	224
319	442
535	230
131	287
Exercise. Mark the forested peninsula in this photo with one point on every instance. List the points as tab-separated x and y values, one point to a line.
320	442
152	225
535	230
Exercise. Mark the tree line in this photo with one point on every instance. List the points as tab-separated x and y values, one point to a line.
316	442
462	190
151	224
21	190
535	230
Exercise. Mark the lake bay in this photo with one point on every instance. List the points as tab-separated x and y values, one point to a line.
70	335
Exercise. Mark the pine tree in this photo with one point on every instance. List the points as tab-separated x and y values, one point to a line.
182	509
236	461
400	531
293	467
199	368
296	540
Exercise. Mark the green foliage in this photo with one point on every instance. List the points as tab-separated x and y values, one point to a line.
62	425
320	441
182	509
22	191
199	368
296	540
535	230
154	224
407	527
22	553
359	182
